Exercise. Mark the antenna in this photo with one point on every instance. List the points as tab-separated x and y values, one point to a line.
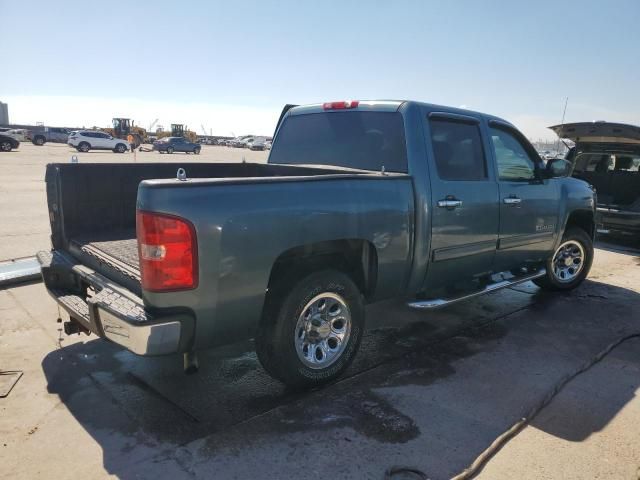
564	112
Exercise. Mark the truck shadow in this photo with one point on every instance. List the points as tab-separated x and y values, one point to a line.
518	342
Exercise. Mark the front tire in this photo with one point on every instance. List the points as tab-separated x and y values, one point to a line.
5	146
169	149
196	150
39	141
84	147
570	263
120	148
312	329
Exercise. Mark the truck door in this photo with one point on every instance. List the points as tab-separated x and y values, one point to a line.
464	214
529	204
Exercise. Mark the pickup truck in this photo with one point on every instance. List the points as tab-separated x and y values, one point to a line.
358	202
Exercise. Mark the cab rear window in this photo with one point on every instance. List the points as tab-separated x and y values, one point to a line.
353	139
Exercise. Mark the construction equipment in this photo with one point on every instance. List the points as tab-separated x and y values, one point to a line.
177	130
150	129
122	127
180	130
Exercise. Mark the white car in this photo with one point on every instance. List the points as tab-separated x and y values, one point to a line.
85	140
20	134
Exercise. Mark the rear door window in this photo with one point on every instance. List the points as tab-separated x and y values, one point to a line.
457	147
354	139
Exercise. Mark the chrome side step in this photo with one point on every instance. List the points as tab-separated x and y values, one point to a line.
492	287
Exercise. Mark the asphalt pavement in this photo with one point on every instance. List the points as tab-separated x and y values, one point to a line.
428	391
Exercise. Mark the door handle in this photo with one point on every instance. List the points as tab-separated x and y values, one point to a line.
450	203
512	200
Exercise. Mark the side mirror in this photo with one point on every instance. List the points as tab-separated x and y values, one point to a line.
558	168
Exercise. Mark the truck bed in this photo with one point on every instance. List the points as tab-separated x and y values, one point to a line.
113	249
92	207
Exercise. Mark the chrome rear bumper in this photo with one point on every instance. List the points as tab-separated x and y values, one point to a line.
112	312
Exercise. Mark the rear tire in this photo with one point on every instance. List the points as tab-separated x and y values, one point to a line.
196	150
169	149
311	329
39	140
84	147
570	263
6	146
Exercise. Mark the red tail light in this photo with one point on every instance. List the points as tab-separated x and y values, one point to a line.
168	252
340	105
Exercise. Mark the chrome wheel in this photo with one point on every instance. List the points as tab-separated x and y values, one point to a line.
568	261
5	146
322	331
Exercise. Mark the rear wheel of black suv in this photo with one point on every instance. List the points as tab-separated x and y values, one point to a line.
312	330
570	263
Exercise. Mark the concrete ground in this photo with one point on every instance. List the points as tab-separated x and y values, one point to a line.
24	223
430	391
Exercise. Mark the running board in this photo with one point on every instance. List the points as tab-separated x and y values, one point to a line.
492	287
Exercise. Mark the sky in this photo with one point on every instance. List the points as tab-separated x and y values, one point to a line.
230	66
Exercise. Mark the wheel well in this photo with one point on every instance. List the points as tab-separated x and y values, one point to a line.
582	219
355	257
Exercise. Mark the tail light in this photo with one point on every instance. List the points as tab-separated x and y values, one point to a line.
168	252
340	105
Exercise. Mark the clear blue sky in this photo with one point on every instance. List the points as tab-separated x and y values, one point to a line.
205	59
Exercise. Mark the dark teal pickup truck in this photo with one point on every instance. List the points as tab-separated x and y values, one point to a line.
359	201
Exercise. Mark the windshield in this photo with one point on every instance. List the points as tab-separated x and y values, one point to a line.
362	140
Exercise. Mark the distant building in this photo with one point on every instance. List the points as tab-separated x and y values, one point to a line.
4	114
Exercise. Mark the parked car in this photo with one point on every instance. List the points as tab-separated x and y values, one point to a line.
20	134
7	143
607	155
359	202
258	143
267	145
176	144
42	135
240	142
85	140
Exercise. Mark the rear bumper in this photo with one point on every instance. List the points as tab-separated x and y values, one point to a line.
614	219
113	312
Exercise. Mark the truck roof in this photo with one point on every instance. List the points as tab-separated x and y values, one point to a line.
392	106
